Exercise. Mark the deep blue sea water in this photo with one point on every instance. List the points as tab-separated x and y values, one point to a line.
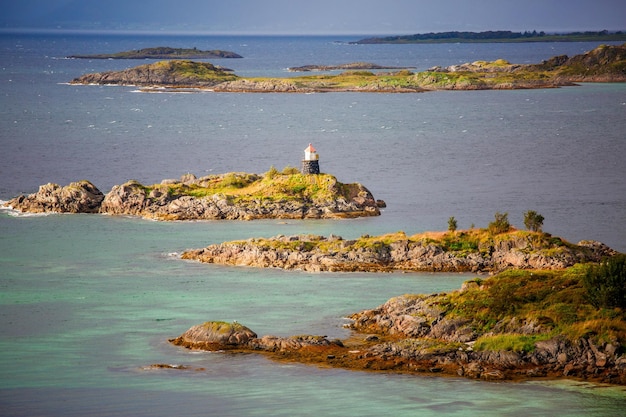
87	302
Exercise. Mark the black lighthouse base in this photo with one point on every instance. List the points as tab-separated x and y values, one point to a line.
310	167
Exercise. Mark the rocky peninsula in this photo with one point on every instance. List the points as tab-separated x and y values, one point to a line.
231	196
516	325
603	64
163	52
475	250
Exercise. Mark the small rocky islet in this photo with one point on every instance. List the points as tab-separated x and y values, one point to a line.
232	196
606	63
162	52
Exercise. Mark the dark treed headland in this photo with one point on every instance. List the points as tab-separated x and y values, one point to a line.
498	36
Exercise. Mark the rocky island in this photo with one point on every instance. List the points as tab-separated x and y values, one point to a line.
163	52
233	196
475	250
517	325
603	64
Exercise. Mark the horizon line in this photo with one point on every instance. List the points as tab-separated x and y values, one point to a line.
152	32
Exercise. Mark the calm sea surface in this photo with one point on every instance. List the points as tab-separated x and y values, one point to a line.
88	302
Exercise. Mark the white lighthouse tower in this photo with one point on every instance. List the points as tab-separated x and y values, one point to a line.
310	163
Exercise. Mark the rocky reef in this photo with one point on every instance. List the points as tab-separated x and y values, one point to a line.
468	251
232	196
603	64
517	325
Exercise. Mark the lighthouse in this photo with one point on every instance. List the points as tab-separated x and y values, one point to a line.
310	163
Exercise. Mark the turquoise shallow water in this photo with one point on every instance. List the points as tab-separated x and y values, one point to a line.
87	301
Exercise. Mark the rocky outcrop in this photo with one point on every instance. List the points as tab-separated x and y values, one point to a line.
77	197
135	199
215	335
318	253
602	64
419	323
190	199
165	73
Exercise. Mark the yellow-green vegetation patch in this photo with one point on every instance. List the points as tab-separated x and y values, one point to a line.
203	71
553	302
222	327
520	343
275	186
376	242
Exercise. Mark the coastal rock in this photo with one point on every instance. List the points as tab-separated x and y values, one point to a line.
128	198
165	73
214	334
217	335
418	325
274	343
77	197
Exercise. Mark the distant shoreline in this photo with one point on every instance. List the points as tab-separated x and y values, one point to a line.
496	37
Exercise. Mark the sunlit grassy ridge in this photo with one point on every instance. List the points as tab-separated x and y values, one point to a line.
202	71
461	243
273	186
556	302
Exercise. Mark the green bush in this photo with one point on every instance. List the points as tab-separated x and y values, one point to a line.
452	224
500	224
289	170
605	283
271	173
533	221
